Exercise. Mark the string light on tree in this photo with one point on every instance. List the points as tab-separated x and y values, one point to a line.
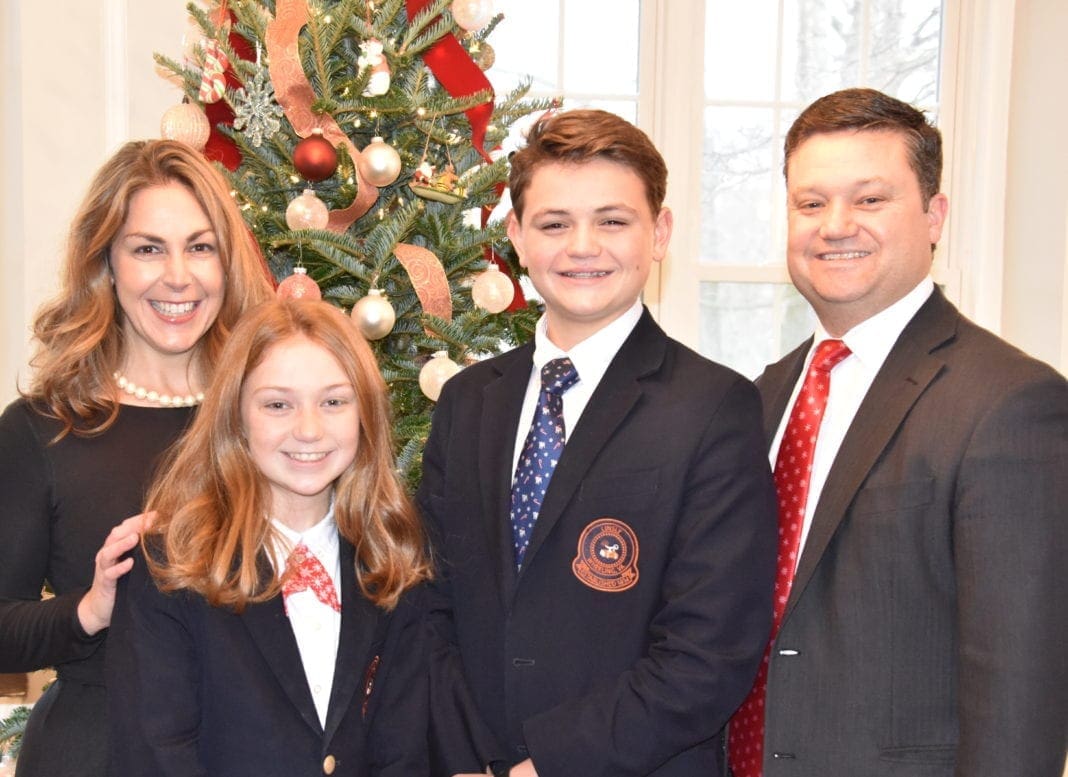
493	290
434	374
379	162
307	212
374	315
187	123
315	157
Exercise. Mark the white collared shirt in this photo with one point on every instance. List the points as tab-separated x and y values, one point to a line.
591	358
870	342
316	626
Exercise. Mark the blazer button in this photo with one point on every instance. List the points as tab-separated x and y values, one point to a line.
329	764
781	756
789	652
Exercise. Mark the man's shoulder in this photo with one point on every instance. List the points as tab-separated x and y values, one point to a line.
984	358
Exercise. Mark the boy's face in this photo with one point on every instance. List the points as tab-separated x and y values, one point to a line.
588	239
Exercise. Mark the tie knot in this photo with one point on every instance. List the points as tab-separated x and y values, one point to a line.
828	354
558	375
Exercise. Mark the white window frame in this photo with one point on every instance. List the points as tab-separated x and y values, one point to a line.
973	115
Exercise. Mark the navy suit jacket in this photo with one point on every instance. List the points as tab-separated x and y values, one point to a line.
199	690
614	674
924	634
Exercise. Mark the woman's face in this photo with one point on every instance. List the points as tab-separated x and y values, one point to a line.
168	273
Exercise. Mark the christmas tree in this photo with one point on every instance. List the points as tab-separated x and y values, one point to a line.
361	138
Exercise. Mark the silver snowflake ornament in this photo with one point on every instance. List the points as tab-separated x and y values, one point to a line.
255	110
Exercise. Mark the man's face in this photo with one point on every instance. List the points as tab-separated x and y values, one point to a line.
588	239
859	235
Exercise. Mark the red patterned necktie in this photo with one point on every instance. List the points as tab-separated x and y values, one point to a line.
793	467
305	572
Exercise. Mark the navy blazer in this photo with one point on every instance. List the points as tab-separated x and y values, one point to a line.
637	623
924	633
199	690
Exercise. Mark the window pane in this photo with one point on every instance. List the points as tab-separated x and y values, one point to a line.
891	45
740	39
600	48
750	325
737	185
526	44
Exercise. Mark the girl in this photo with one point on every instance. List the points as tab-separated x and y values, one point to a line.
273	630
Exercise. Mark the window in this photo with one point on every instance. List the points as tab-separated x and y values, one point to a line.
717	83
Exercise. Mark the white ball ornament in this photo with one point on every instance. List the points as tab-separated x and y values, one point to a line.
187	123
493	290
472	14
434	374
379	163
307	212
373	315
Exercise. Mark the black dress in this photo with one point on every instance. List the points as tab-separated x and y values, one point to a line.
57	504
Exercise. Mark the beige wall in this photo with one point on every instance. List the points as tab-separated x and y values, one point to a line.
79	80
1036	238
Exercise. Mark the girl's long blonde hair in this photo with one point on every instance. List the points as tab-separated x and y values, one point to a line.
212	502
79	333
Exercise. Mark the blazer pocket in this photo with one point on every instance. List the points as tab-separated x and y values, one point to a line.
638	488
894	497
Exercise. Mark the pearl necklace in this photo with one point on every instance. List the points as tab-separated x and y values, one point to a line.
131	388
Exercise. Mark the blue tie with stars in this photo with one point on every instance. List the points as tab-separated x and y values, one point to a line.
545	443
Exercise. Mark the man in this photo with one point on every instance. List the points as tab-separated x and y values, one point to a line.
922	626
606	623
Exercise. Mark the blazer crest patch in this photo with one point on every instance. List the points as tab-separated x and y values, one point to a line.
607	558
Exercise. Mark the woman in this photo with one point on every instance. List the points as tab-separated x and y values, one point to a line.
159	267
271	631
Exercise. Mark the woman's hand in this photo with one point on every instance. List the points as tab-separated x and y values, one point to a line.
94	610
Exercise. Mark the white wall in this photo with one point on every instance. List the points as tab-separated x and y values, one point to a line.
1035	312
79	81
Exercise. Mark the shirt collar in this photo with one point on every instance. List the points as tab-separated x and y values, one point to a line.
592	356
321	538
871	340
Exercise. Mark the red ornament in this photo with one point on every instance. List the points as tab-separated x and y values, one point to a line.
315	157
299	286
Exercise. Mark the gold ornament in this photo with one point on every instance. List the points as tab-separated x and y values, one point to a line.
373	315
434	374
485	56
472	14
379	162
187	123
493	290
307	212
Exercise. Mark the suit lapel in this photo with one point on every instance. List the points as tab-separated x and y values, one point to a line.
641	354
502	403
777	384
360	622
907	372
270	630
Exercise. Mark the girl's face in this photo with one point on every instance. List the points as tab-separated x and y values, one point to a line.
168	274
302	424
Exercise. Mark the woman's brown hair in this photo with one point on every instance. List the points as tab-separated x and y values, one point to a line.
79	333
213	504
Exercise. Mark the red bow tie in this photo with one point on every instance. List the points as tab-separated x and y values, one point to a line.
305	572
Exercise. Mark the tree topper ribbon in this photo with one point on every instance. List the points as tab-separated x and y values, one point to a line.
295	94
457	72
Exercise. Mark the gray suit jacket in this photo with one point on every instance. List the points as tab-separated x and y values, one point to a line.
925	631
